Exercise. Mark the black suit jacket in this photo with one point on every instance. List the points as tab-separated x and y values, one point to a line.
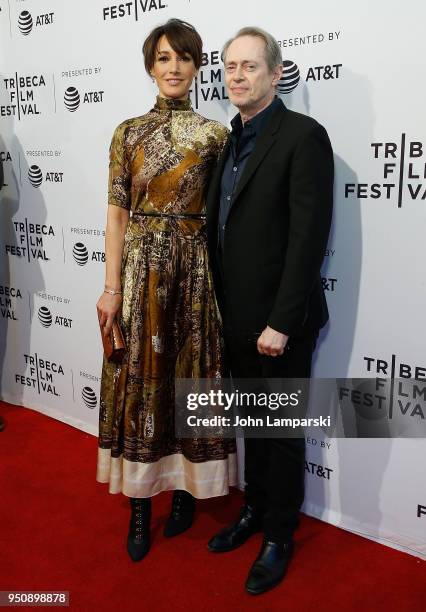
277	230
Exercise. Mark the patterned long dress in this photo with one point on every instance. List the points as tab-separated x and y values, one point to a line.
161	162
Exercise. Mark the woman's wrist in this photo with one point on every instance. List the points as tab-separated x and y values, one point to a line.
112	290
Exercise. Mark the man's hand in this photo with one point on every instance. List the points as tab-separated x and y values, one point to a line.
271	342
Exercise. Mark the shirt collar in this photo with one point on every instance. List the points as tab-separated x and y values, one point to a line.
256	123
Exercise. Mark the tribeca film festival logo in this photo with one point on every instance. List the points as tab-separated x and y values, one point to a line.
210	84
399	390
395	183
21	92
41	375
30	240
8	302
135	9
26	22
5	156
35	176
405	399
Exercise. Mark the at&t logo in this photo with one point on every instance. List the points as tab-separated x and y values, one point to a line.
35	176
81	254
89	397
290	78
46	319
318	470
292	75
72	98
329	284
26	23
45	316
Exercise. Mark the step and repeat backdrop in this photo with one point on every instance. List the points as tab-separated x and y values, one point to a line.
70	71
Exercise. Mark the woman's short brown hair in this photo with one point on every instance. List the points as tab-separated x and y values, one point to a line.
183	38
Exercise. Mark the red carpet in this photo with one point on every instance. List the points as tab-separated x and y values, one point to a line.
61	530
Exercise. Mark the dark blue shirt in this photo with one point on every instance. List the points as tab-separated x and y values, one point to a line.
242	142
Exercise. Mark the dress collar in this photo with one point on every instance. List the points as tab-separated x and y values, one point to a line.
169	104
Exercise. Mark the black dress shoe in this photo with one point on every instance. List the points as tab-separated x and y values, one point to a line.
182	514
236	534
139	538
270	567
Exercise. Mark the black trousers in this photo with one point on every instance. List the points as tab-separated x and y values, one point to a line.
274	468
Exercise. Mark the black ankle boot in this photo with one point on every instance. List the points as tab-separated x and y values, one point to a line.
139	540
182	514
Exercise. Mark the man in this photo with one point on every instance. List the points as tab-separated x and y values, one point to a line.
269	212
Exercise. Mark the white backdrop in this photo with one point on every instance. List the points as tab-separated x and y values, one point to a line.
71	71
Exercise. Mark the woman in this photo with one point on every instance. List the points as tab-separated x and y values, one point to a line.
159	284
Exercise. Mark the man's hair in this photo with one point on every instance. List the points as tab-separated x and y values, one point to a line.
182	36
273	55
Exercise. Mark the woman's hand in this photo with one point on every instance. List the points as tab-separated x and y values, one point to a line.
108	305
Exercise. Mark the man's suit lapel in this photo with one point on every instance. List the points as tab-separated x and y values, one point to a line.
263	143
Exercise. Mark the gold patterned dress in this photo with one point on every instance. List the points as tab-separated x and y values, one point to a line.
160	163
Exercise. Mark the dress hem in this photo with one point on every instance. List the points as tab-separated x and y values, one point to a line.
134	479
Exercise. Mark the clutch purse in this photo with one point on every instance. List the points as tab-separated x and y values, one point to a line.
113	343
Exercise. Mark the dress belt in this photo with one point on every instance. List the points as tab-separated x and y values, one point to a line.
170	215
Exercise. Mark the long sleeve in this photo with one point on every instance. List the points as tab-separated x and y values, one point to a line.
119	181
311	204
